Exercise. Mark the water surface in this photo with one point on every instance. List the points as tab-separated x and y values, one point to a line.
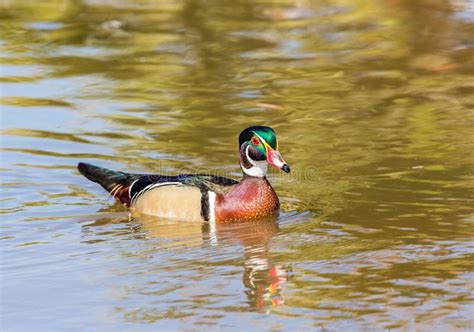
373	105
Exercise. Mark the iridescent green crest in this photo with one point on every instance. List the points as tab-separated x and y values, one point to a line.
265	133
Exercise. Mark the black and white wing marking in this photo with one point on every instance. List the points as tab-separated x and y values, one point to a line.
143	185
202	181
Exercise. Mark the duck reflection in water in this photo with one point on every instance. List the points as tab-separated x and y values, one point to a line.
262	279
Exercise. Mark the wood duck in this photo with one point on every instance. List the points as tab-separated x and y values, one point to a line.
200	197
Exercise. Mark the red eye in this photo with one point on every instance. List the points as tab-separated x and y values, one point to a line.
255	141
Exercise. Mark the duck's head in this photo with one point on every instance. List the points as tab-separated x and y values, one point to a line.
258	148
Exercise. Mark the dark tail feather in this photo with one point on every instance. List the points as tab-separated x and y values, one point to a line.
116	183
107	178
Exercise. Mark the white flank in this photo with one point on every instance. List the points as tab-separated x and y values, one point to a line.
212	217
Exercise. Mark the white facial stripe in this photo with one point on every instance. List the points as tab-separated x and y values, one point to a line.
259	167
248	157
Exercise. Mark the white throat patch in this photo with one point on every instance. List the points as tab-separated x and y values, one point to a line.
258	169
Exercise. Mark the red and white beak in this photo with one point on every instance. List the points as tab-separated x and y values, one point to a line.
275	159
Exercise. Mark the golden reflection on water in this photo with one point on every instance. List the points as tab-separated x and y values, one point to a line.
372	103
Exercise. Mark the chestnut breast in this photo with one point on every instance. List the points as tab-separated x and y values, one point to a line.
252	198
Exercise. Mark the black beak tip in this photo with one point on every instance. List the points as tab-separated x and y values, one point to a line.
285	168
